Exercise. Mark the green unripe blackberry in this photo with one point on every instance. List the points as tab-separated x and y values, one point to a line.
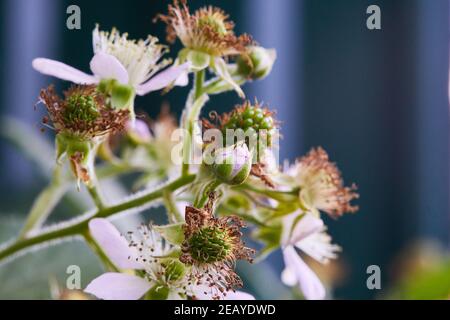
257	123
233	164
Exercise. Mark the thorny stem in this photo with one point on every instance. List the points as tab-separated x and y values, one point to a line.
54	192
78	227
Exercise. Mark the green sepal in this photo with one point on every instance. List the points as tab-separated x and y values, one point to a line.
122	96
158	292
270	236
71	145
172	232
199	60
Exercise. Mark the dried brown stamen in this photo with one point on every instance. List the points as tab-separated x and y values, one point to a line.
207	30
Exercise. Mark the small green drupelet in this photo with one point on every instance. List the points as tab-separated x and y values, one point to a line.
80	108
210	244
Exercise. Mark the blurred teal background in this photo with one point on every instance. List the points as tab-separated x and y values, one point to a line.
377	101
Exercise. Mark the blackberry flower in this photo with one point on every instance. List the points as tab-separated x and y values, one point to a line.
321	184
212	246
82	114
207	36
207	30
81	120
159	274
121	67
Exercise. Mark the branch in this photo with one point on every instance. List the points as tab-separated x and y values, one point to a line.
78	226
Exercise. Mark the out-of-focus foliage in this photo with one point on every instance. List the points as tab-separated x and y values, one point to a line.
422	273
30	276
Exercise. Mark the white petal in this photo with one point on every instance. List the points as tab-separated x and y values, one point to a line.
238	295
307	280
173	295
204	292
182	80
106	66
114	245
220	67
62	71
162	79
305	227
139	129
118	286
288	277
319	247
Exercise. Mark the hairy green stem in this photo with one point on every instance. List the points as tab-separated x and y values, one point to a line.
173	213
79	226
96	196
199	100
198	84
202	198
284	196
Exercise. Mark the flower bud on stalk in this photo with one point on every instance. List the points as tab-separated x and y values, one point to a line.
230	166
233	164
257	63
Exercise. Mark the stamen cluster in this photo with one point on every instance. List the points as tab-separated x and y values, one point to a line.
207	30
212	246
82	113
322	186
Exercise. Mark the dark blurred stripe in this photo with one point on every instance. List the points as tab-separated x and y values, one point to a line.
30	29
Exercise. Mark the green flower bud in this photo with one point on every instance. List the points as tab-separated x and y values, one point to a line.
232	165
257	64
